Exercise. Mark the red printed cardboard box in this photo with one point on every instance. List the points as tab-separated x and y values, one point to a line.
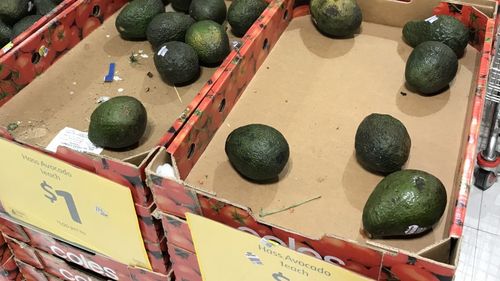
318	112
75	84
8	267
37	25
20	236
31	273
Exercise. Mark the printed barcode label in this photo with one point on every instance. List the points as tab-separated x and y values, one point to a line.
75	140
432	19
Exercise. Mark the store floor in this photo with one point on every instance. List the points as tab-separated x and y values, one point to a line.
480	255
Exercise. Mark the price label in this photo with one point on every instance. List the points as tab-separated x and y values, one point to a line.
219	247
74	204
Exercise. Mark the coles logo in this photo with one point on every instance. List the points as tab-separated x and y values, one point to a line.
293	246
73	277
82	261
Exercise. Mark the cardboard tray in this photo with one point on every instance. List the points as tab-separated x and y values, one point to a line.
31	273
317	102
8	267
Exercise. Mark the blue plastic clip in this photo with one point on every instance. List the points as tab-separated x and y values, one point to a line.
111	73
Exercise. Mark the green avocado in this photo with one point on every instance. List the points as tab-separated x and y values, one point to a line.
208	10
209	40
13	10
177	62
181	5
431	67
258	152
337	18
118	123
24	24
5	34
133	20
166	27
382	143
243	13
44	7
404	203
443	28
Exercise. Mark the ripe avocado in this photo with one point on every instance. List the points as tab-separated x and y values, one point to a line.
118	123
13	10
382	143
404	203
166	27
133	20
181	5
44	7
337	18
208	10
209	40
177	62
5	34
431	67
258	152
243	13
24	24
442	28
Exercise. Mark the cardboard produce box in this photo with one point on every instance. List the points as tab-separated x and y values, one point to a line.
75	84
32	52
20	236
321	90
184	264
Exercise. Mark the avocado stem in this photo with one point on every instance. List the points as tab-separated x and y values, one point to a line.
262	213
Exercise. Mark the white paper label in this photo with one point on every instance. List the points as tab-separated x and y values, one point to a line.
75	140
163	51
414	229
432	19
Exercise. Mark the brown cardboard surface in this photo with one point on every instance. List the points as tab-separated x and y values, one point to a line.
316	91
66	95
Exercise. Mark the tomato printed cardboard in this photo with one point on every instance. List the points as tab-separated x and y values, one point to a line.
31	273
200	162
36	239
8	267
184	264
39	24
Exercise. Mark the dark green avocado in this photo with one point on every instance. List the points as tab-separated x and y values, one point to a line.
209	40
258	152
405	203
243	13
13	10
431	67
443	28
166	27
382	143
208	10
177	62
133	20
118	123
337	18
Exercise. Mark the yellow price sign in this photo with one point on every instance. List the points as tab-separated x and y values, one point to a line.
227	254
74	204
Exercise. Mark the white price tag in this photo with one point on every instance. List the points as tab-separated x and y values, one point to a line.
75	140
432	19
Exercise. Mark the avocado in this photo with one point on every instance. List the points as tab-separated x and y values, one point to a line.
404	203
170	26
177	62
258	152
5	34
44	7
209	40
13	10
181	5
118	123
443	28
243	13
337	18
431	67
208	10
24	24
133	20
382	143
